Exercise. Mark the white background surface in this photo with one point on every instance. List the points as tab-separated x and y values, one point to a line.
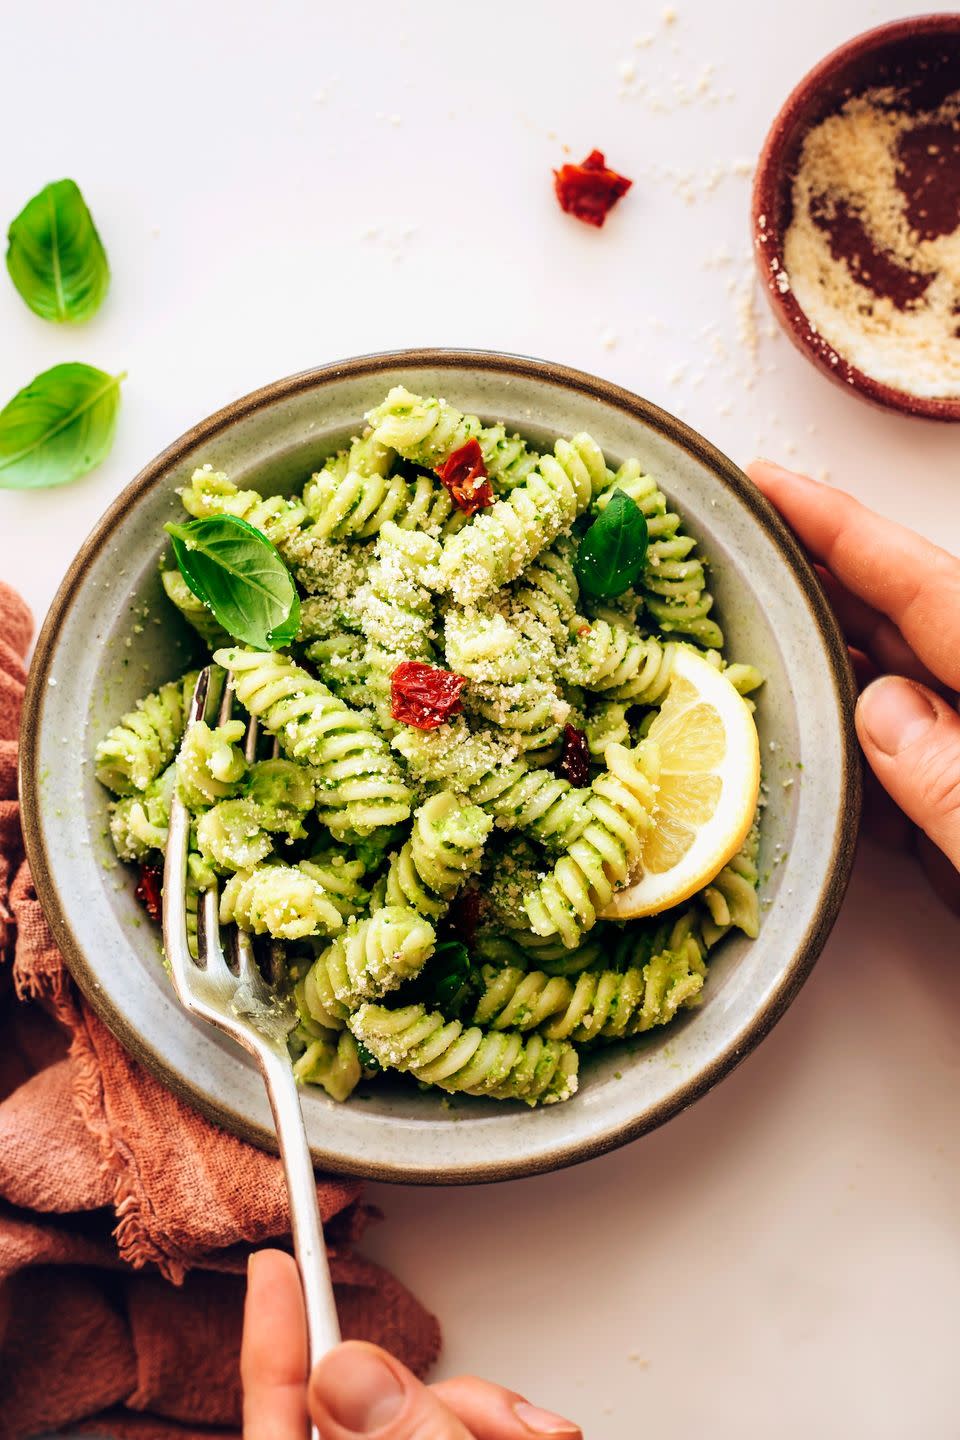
283	185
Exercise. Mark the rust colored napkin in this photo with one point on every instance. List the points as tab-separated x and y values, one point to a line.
126	1218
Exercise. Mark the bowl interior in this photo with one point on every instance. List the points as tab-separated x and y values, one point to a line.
920	59
111	637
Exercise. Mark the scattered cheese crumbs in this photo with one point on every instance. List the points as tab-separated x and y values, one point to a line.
628	70
669	15
51	681
893	312
609	339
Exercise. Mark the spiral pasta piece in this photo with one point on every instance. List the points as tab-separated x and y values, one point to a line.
341	663
512	686
618	662
200	877
359	786
548	591
607	1004
332	1062
500	542
502	1065
210	763
194	611
278	900
444	849
620	804
428	431
731	900
231	835
283	793
143	743
369	958
397	611
534	800
139	822
355	495
525	951
341	876
453	756
606	724
211	492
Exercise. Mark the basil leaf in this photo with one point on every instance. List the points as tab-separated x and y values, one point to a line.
240	577
55	257
59	427
614	550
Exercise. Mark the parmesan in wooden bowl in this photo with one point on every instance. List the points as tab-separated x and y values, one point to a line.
856	216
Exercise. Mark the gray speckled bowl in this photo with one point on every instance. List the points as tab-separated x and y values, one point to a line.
110	637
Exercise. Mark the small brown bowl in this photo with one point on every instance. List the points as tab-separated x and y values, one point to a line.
920	55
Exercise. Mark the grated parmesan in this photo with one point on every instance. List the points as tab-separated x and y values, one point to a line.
892	310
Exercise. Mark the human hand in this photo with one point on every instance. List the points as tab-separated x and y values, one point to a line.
359	1389
897	597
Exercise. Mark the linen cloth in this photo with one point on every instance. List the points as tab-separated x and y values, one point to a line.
125	1217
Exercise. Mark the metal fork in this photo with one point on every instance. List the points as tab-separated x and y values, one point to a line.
235	998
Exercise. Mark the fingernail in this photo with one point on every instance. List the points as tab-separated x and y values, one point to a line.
543	1422
358	1388
895	713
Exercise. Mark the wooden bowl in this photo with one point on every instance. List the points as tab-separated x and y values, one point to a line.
921	56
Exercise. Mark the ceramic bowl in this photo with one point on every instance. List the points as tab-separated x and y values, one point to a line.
103	645
919	56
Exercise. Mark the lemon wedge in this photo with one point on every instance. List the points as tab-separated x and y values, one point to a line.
709	783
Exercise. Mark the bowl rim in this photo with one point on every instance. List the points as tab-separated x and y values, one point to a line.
838	869
769	178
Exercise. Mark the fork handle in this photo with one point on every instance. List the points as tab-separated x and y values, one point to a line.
323	1327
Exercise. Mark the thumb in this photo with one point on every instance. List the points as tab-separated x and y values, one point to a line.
911	738
359	1389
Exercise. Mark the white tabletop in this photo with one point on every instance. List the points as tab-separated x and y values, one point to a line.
281	185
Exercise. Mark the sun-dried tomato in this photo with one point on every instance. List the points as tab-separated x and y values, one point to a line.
150	889
575	759
464	474
424	695
589	190
464	914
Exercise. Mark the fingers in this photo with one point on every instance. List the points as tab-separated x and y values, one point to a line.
873	633
911	580
490	1412
944	878
273	1353
911	737
359	1389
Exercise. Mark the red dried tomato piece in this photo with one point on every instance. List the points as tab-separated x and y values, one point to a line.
150	889
589	190
575	760
464	914
424	695
464	473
